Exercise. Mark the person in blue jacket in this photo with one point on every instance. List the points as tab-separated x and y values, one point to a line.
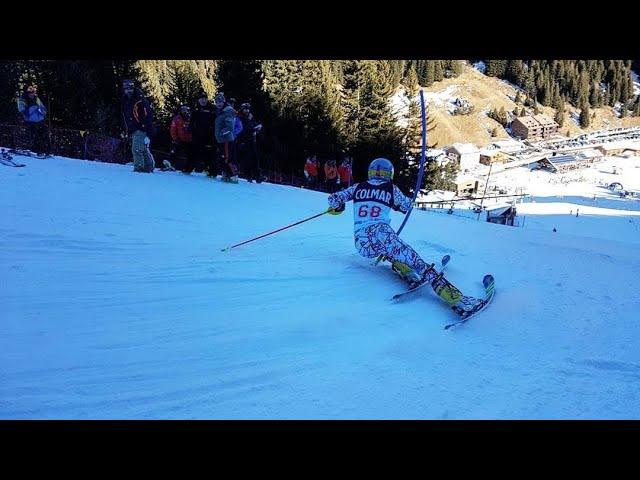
225	128
32	112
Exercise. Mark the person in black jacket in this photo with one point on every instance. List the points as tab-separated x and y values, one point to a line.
138	122
246	144
202	129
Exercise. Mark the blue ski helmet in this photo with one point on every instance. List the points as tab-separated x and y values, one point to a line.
381	169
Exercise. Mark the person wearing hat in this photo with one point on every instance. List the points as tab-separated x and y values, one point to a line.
32	112
138	122
345	173
181	139
203	145
225	136
373	235
247	145
331	175
311	171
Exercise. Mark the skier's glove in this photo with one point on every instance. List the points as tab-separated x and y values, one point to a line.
336	211
147	141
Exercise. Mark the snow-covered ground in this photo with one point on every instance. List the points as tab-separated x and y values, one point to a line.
117	303
442	98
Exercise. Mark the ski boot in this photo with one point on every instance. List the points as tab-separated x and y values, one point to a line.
406	272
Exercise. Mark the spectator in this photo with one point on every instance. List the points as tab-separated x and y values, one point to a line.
311	171
138	123
202	131
331	176
246	144
345	173
224	130
33	112
181	139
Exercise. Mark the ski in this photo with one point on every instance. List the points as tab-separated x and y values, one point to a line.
402	296
27	153
7	159
489	286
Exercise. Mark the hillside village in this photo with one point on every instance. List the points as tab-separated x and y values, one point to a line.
531	145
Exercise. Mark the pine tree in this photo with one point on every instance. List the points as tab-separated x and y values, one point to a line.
559	118
623	110
429	73
376	134
183	85
585	119
456	67
496	68
515	71
413	135
438	71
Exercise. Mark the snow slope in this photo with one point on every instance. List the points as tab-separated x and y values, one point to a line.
117	303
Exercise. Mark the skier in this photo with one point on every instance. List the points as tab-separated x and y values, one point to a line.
373	201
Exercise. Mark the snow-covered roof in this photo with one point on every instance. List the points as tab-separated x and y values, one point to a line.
491	152
626	144
435	152
508	145
463	148
590	153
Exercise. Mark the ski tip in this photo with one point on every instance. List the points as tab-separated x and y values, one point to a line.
488	280
224	250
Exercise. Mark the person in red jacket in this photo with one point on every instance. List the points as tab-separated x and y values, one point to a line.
181	139
311	171
345	173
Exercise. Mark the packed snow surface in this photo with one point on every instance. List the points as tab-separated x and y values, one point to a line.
118	303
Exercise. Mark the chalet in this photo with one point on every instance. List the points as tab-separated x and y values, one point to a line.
466	154
467	186
488	157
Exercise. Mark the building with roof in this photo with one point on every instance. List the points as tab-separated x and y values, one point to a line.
619	148
488	157
502	214
467	185
563	162
534	127
466	154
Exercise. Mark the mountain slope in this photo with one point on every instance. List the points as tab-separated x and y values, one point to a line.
487	93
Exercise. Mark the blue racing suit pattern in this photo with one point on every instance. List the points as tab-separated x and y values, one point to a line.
373	236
